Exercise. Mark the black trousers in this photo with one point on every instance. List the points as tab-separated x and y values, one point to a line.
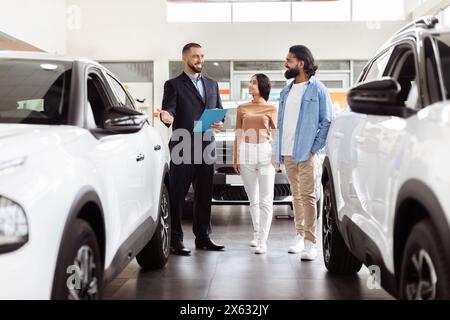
201	177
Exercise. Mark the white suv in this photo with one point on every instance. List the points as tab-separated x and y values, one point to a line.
386	176
83	179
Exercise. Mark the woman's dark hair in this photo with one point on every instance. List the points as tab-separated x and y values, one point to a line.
264	85
304	54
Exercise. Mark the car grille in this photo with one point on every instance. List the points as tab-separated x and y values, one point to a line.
237	193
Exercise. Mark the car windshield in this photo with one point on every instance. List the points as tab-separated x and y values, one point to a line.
443	44
34	91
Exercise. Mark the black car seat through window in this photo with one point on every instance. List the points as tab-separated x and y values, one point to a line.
96	101
53	100
406	76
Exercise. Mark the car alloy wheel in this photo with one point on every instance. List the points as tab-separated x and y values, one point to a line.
165	224
85	284
421	278
327	224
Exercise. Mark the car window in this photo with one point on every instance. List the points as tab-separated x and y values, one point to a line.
97	100
120	93
377	67
443	46
34	91
431	73
402	67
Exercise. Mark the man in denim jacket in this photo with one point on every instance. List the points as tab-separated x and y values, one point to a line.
304	116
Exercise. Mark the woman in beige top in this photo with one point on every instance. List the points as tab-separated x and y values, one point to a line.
255	128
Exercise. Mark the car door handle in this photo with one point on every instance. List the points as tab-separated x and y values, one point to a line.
157	147
338	135
140	157
360	139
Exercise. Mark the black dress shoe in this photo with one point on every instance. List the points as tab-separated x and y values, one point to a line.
208	244
179	249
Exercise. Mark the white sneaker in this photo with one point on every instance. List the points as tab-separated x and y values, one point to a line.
254	242
261	248
310	251
298	244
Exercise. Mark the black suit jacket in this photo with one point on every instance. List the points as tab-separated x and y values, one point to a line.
183	101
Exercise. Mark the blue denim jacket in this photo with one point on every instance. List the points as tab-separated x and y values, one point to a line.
313	121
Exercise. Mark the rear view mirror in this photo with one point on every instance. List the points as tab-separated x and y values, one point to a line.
378	97
124	120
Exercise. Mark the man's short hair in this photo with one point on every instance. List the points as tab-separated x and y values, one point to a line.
190	45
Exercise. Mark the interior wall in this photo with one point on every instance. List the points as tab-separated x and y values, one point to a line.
40	23
138	30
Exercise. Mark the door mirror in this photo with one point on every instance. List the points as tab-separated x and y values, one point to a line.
124	120
378	97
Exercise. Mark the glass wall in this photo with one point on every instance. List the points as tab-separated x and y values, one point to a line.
233	77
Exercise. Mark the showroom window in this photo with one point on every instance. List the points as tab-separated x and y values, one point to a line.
261	11
368	10
321	10
137	78
444	16
233	77
283	10
258	65
178	11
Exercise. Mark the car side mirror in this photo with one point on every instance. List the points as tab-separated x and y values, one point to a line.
124	120
378	97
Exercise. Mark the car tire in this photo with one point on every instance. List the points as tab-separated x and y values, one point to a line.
425	261
337	257
79	252
155	254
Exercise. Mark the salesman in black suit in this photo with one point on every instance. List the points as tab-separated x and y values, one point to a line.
185	99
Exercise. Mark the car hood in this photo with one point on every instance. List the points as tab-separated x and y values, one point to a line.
21	140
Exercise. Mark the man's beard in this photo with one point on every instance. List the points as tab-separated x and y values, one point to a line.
194	68
291	73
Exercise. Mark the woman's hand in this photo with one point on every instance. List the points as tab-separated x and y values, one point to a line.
237	168
275	164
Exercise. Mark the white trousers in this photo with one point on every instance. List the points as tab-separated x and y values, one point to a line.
258	175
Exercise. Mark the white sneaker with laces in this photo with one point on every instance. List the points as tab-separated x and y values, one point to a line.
254	242
298	244
261	248
310	251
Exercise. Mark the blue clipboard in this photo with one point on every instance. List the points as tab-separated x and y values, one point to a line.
209	116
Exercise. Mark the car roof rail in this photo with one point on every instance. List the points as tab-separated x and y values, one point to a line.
427	22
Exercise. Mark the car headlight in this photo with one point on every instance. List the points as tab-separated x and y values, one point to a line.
13	225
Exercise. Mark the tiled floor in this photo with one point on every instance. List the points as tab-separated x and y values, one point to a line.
238	273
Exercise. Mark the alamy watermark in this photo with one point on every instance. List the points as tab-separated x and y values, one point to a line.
198	148
73	17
